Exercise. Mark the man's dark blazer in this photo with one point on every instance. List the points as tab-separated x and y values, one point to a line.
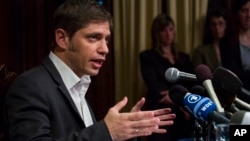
39	107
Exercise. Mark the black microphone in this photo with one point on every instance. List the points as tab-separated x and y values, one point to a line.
203	108
173	74
241	117
204	76
198	89
228	86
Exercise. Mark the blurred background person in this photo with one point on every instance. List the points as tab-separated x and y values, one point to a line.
154	62
236	49
208	52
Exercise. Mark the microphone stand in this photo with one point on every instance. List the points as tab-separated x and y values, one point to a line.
198	131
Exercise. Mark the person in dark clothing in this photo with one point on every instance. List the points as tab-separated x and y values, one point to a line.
208	52
235	49
153	64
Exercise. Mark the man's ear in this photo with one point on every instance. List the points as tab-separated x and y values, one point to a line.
61	38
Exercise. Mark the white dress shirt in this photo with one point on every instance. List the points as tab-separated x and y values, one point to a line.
76	86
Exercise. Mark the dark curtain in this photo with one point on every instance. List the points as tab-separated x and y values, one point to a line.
30	20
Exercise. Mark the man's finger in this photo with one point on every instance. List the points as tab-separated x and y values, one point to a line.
138	105
120	104
162	111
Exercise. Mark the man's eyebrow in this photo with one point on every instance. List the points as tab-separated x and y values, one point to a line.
98	34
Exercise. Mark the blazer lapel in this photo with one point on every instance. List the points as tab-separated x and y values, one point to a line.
47	63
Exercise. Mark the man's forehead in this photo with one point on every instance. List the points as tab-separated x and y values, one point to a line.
102	27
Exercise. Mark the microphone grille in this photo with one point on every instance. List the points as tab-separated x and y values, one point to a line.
172	74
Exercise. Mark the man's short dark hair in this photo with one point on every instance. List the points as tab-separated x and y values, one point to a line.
73	15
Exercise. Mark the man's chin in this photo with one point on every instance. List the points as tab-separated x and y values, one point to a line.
94	73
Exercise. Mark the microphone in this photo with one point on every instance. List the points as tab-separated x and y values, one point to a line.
241	117
201	107
242	104
204	75
244	94
173	74
228	86
197	89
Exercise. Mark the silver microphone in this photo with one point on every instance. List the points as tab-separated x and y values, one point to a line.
172	75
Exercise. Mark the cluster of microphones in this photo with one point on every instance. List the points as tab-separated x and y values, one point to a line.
215	98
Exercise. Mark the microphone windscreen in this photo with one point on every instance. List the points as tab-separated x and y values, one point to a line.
226	85
177	94
203	73
200	90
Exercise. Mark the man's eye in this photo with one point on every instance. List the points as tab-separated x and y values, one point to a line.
93	38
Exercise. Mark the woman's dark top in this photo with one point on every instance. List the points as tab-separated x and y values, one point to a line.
153	67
